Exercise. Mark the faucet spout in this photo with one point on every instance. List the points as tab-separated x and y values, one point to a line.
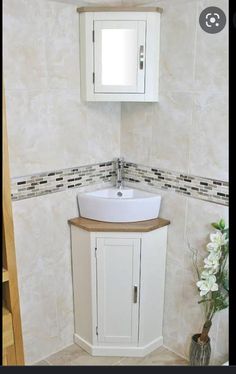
119	173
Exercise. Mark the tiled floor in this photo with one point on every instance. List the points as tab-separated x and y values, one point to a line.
74	355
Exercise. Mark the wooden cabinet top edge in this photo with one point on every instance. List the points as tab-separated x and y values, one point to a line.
119	9
100	226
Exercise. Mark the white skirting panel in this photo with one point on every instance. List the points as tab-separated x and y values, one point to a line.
118	350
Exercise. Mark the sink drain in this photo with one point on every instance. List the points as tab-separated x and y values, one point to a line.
119	193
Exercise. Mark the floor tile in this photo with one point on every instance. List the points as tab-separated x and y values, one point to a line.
41	363
127	361
137	360
76	356
96	360
164	357
66	355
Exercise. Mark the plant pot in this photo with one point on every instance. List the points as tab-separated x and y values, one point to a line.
199	355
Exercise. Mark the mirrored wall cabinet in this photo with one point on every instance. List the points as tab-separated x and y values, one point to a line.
119	53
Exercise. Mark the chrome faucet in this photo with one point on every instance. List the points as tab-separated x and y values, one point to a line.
119	164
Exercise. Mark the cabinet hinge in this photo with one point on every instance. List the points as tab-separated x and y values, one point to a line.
93	36
96	330
93	78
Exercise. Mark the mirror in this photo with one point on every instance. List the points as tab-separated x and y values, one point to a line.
119	57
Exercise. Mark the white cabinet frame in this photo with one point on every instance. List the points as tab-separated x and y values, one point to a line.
86	27
148	335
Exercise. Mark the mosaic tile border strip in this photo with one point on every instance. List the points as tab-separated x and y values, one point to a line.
212	190
61	180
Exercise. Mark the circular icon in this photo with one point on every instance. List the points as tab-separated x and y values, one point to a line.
212	20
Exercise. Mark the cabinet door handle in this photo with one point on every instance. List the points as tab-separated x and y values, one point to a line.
135	294
141	57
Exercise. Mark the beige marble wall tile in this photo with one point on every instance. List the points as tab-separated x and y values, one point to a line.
173	336
24	49
103	126
178	29
64	296
68	133
48	126
200	215
39	313
53	130
27	123
209	136
221	353
136	131
171	129
43	254
173	208
62	46
211	55
44	219
223	331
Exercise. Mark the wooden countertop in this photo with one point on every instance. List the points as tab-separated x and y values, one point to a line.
142	226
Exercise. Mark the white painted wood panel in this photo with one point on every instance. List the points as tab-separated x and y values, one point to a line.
152	57
153	260
82	283
86	56
118	265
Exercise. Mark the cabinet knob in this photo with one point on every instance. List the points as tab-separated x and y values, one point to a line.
141	57
135	294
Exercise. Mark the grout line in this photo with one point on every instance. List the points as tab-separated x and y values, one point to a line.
117	362
177	354
193	94
53	353
48	362
195	47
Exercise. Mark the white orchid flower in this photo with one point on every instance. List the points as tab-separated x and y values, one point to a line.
218	239
214	255
205	274
207	285
213	247
212	264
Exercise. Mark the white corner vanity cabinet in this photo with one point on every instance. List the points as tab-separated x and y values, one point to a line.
118	285
119	53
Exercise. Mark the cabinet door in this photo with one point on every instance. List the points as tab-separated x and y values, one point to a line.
119	56
118	263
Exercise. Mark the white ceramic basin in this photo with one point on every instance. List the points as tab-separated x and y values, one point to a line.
119	205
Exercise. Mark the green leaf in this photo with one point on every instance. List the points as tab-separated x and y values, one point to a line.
221	301
204	301
215	225
226	231
225	282
222	224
